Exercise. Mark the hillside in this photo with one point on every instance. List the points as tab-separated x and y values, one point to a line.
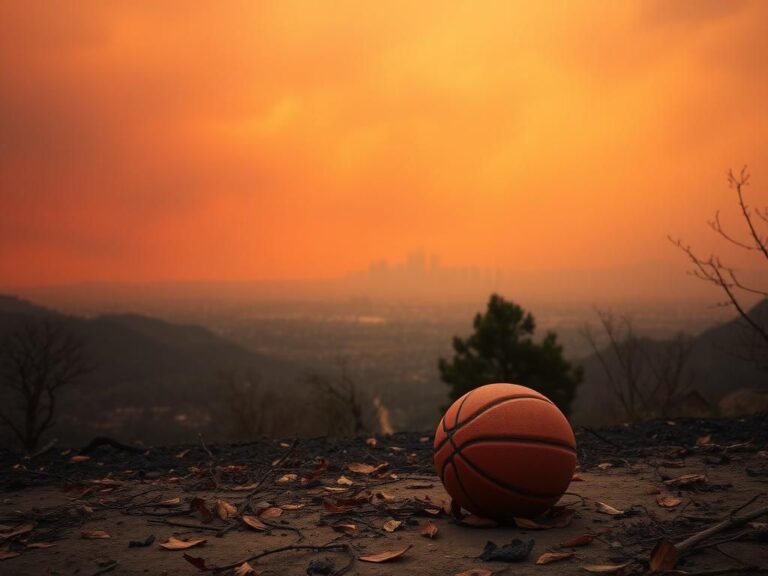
718	367
151	380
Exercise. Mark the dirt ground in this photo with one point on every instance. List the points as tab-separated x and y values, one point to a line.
78	513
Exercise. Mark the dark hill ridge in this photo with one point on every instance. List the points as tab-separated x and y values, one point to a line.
151	379
718	367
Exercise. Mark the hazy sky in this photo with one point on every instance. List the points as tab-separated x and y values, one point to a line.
145	141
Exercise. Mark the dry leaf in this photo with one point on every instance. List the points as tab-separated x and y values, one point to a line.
335	489
170	502
243	487
360	468
372	442
651	489
475	572
604	508
244	569
286	478
79	458
384	495
348	529
667	501
605	568
18	530
385	556
94	535
292	506
577	478
271	512
392	525
605	465
582	540
225	510
254	523
429	529
7	554
549	557
557	517
664	556
199	563
704	440
425	439
41	545
183	453
198	505
344	481
174	543
420	486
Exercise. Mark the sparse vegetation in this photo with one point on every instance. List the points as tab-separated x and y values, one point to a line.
727	278
37	360
502	349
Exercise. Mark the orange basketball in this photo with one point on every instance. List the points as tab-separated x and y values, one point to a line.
504	450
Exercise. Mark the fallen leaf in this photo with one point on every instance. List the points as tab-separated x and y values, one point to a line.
254	523
651	489
199	563
704	440
605	465
605	568
475	572
183	453
79	458
384	495
686	480
385	556
344	481
428	529
515	551
225	510
286	478
170	502
348	529
17	531
94	535
244	569
664	556
335	489
174	543
424	439
360	468
420	486
549	557
270	512
7	554
41	545
478	521
667	501
582	540
198	505
577	478
372	442
391	525
142	543
243	487
604	508
758	525
292	506
553	518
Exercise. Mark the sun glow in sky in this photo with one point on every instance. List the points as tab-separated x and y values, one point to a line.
149	141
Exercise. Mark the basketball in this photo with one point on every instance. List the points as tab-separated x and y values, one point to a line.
505	451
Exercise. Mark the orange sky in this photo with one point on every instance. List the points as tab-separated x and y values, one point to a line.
151	141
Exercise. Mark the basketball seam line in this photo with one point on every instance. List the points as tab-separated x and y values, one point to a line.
516	440
449	432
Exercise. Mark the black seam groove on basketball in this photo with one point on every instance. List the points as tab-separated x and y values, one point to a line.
504	485
481	472
537	441
449	432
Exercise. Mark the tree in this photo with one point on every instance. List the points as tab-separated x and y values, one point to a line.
37	360
648	379
502	349
341	408
726	278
